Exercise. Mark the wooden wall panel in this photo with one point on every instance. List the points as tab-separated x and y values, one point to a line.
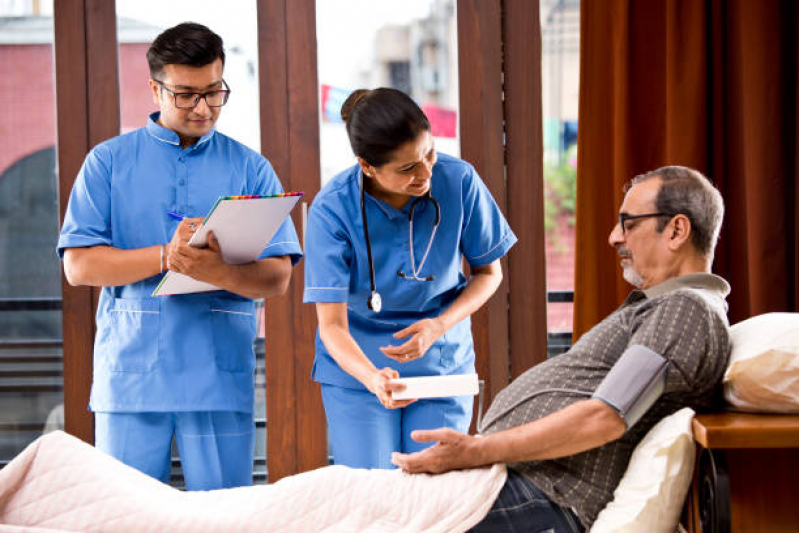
281	427
481	129
303	89
525	172
87	112
102	72
296	429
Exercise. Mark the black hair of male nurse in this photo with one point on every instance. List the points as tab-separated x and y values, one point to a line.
381	120
187	43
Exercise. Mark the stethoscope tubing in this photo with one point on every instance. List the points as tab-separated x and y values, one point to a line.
374	301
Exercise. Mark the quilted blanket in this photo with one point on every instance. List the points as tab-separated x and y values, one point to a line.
59	483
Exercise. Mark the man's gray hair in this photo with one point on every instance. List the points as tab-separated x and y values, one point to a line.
687	191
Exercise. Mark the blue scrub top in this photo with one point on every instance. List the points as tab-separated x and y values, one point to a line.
189	352
337	268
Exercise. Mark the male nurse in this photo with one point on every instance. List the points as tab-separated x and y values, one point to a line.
179	365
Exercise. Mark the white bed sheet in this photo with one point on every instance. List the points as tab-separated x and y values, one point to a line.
59	483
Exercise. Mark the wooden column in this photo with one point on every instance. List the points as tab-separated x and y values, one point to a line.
296	428
524	158
481	130
87	112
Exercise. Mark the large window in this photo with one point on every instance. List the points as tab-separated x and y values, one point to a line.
409	45
560	29
31	395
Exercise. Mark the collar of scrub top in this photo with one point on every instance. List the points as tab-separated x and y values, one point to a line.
168	136
375	302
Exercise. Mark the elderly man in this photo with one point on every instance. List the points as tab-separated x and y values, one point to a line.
568	426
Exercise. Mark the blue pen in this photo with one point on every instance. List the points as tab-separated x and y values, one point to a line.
176	216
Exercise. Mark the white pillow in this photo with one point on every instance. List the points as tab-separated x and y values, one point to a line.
763	374
650	496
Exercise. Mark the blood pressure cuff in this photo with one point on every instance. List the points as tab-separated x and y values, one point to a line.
634	383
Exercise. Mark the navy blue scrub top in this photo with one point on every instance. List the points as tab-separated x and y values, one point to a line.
337	268
189	352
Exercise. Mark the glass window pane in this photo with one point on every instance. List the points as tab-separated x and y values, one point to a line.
31	396
138	23
410	46
560	28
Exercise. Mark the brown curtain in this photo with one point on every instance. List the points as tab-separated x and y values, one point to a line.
707	84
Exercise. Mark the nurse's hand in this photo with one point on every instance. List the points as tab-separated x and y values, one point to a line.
380	386
182	234
203	264
424	334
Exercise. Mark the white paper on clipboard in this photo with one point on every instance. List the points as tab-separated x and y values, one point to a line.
243	228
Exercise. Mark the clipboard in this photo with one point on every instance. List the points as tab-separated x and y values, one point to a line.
243	225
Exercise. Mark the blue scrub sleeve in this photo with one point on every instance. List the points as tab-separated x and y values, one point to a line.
486	235
328	258
284	241
87	218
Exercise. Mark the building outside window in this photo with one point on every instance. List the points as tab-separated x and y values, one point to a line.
410	46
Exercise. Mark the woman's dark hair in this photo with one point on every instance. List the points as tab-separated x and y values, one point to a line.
188	43
381	120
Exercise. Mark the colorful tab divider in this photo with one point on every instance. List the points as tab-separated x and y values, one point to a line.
249	197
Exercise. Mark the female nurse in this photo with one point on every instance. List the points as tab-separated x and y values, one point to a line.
385	244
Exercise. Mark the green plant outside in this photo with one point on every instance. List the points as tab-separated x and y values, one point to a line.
560	185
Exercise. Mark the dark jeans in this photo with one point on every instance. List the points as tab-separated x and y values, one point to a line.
521	506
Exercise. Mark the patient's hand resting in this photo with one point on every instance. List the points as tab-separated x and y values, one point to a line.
454	451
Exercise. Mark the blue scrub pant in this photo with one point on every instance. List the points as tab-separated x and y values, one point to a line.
216	447
363	433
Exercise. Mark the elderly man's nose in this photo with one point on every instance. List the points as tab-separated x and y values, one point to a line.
616	235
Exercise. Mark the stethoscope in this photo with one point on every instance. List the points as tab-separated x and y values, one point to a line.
375	302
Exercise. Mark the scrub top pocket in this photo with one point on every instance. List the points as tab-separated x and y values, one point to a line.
456	345
233	327
445	352
129	342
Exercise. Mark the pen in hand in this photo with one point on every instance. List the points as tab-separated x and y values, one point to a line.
178	216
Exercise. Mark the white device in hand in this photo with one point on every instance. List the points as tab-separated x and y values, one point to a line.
436	386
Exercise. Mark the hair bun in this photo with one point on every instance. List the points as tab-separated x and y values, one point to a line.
355	98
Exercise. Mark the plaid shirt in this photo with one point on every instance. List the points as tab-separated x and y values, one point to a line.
684	320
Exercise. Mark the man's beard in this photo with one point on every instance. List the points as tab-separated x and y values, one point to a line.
629	273
632	277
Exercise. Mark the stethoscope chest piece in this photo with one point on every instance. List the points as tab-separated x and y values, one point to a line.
375	302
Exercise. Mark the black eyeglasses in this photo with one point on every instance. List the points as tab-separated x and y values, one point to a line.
216	98
624	217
